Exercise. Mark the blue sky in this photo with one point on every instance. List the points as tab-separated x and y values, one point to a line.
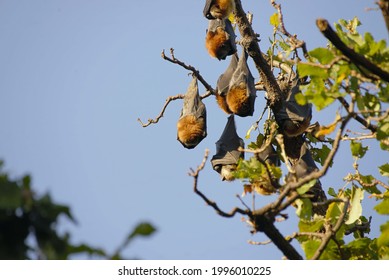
74	78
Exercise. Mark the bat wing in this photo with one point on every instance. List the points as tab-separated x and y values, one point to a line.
207	9
223	82
241	95
227	147
192	124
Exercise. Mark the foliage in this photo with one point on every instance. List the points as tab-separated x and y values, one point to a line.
29	225
349	75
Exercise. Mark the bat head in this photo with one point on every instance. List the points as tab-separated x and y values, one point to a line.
218	9
227	155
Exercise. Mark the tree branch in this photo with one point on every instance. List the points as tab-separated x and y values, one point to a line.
293	38
168	100
358	118
195	175
250	43
356	58
384	6
195	72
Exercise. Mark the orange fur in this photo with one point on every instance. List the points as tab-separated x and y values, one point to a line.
221	101
214	42
238	100
190	130
222	8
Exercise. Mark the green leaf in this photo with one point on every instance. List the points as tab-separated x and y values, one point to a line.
357	150
383	239
142	229
383	207
356	206
310	247
10	195
306	187
311	225
304	208
334	211
321	154
323	55
361	249
310	70
274	20
384	169
332	192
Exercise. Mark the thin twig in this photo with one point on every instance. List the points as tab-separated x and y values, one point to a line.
293	38
168	100
195	175
280	141
358	118
195	72
251	242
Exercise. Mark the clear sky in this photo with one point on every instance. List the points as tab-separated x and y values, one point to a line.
74	78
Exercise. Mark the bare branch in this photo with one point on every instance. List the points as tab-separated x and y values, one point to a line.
168	100
356	58
250	43
293	38
280	140
251	242
358	118
195	175
195	72
384	6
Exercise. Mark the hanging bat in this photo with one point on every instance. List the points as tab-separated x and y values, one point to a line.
293	118
305	166
192	126
223	84
218	9
241	94
236	89
220	39
227	155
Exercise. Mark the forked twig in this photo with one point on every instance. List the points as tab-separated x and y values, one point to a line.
195	175
168	100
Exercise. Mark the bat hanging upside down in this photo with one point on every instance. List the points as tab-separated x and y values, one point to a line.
220	39
227	155
192	126
236	88
293	118
219	9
